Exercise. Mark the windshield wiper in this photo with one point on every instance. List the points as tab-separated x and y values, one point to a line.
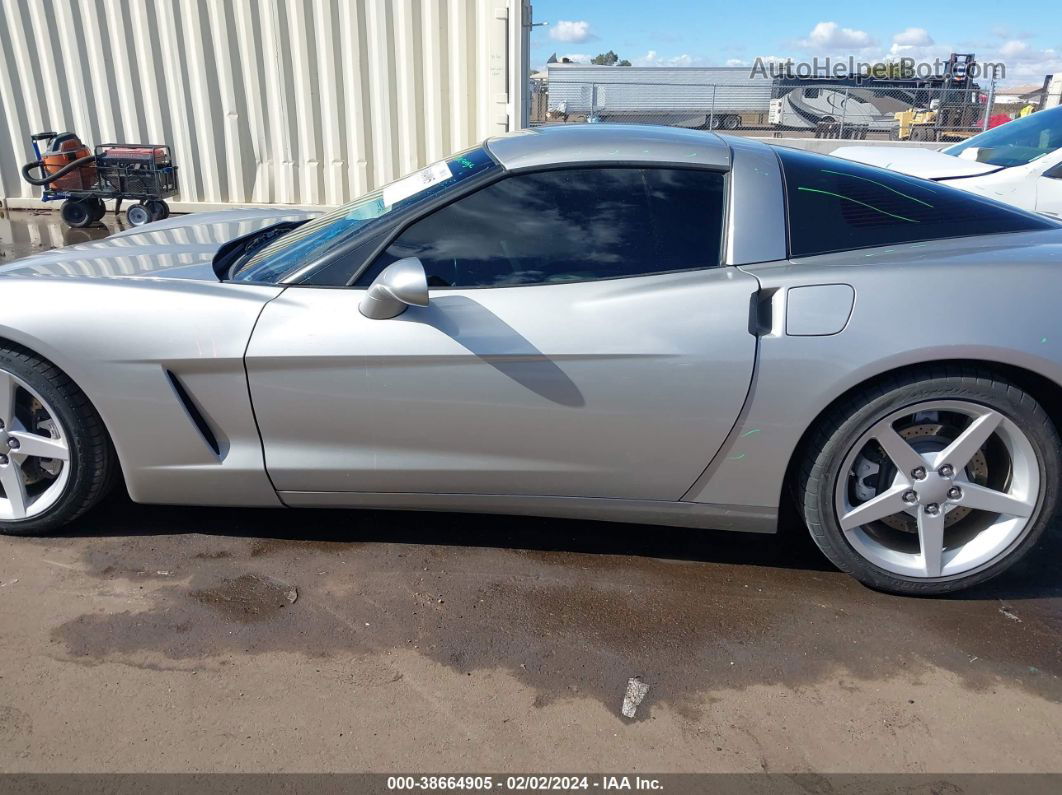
231	255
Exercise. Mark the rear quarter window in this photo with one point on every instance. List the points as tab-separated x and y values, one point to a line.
837	205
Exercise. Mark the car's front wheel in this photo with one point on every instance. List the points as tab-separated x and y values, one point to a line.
56	460
931	483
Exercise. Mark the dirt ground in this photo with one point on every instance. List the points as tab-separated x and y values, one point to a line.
165	639
237	640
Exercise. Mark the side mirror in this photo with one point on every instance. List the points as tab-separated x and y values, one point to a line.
399	285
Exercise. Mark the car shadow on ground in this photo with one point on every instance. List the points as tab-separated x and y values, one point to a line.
565	606
1035	577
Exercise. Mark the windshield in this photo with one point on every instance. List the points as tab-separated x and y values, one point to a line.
314	239
1015	143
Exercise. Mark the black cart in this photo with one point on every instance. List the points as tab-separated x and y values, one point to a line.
144	173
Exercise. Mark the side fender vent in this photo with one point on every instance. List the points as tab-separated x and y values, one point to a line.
194	414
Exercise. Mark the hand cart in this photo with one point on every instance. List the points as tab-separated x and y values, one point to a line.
144	173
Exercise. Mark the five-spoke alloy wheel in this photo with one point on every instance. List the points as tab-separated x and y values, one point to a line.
931	484
34	452
55	458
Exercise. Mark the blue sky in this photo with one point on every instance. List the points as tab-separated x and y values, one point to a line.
1025	36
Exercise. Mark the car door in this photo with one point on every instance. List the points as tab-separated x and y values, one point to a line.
581	339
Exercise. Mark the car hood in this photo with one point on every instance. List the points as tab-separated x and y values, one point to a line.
181	247
925	163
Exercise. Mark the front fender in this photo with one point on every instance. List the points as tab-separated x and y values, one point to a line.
117	338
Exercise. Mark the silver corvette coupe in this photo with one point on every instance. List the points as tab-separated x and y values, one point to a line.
605	322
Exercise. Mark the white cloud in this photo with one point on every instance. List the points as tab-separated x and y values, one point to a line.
1014	49
913	37
1024	63
653	58
831	36
1029	67
683	60
916	43
571	31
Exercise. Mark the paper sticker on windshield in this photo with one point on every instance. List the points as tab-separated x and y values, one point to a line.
415	183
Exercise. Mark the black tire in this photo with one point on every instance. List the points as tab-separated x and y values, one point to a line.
98	208
138	215
77	213
158	209
93	464
833	438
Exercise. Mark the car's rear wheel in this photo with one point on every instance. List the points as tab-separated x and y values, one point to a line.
932	483
56	461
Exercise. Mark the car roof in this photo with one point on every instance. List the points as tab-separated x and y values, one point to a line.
570	144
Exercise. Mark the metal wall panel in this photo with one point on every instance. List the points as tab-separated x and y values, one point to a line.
300	102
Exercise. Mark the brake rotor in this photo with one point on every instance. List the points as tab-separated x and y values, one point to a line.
35	470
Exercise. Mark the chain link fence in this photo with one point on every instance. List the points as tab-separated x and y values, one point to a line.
799	108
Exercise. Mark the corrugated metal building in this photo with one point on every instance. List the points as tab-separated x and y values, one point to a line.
301	102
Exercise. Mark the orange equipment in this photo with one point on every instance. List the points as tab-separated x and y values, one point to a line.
67	164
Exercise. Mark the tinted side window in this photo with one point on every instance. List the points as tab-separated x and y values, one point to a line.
568	225
837	205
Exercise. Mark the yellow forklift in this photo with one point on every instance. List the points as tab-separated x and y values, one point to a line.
954	115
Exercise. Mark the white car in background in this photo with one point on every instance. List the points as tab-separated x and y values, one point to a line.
1019	162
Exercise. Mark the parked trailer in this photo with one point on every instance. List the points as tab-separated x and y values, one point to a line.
731	97
701	97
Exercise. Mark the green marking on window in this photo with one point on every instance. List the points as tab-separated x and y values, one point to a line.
464	161
750	432
881	184
856	201
1043	340
737	457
